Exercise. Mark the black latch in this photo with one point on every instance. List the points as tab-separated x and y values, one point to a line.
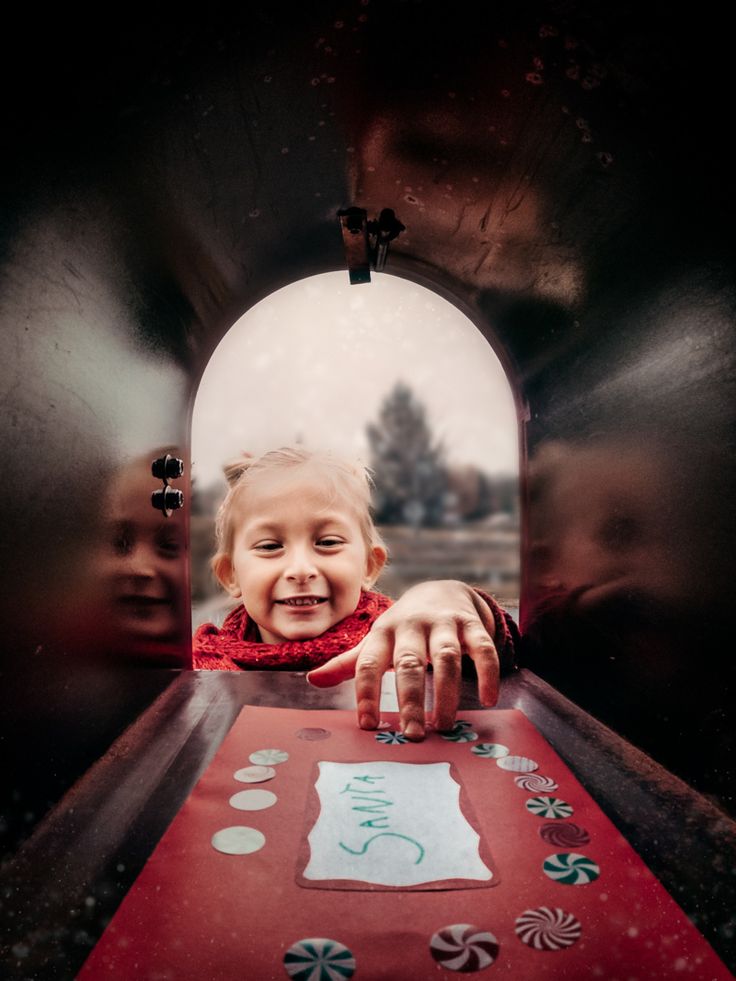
168	499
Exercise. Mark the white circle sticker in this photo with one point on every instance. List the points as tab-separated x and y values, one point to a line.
269	757
238	840
255	774
253	800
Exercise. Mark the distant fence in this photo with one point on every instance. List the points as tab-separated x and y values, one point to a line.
481	553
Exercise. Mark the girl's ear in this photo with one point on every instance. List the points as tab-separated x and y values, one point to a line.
222	567
376	560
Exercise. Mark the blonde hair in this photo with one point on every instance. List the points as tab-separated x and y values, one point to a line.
348	479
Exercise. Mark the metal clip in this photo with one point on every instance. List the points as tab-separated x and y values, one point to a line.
366	242
380	233
355	240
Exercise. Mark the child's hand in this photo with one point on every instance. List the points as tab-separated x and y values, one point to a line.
434	621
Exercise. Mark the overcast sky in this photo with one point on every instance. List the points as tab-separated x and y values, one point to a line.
313	362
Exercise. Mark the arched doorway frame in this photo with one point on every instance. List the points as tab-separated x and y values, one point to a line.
463	297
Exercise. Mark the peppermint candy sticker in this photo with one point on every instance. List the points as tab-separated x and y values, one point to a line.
391	737
549	807
462	947
535	783
490	751
571	869
517	764
319	959
564	835
548	928
460	734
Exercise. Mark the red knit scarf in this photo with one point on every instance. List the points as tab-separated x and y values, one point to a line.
237	646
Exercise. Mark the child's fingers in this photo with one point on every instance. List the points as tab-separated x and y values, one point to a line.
410	665
373	662
446	656
335	671
481	649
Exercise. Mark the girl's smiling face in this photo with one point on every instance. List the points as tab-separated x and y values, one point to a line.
299	558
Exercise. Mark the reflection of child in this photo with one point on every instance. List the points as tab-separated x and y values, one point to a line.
128	599
298	549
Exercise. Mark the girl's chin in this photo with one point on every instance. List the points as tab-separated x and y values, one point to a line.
305	632
284	634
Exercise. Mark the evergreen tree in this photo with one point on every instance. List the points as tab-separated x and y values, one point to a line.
410	476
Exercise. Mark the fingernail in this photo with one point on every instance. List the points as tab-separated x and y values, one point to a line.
414	730
367	721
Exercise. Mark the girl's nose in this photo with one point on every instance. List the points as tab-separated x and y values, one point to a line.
140	564
301	567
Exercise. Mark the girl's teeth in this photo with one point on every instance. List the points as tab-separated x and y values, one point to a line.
302	602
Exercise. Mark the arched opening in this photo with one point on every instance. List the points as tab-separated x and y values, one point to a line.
392	375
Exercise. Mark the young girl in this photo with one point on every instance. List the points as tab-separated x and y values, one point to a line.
298	550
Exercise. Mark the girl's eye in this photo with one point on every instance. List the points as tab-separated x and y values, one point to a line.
267	546
123	539
329	542
123	545
167	544
169	547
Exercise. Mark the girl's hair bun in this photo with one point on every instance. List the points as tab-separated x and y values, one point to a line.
234	469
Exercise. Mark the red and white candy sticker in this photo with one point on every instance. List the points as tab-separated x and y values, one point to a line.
548	928
463	947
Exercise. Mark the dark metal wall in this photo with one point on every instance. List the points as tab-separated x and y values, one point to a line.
560	170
